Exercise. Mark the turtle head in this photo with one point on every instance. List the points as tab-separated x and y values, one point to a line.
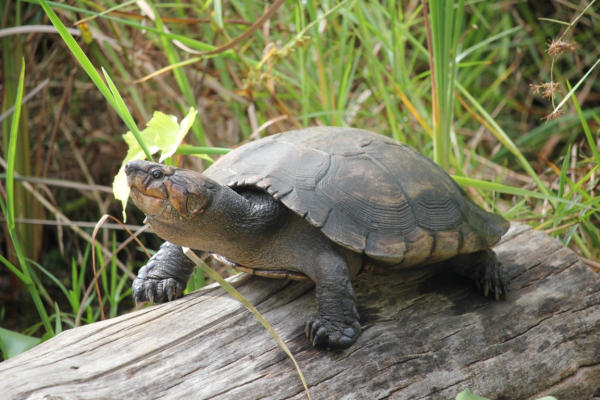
187	208
167	194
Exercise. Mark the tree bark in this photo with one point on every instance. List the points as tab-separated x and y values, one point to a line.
427	334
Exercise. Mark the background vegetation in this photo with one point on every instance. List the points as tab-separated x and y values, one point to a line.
513	110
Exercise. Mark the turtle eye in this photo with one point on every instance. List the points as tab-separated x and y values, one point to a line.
157	174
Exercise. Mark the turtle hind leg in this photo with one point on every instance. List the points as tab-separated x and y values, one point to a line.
484	268
336	325
165	275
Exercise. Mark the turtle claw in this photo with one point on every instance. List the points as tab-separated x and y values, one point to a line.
173	289
164	277
492	281
156	290
149	295
324	333
486	271
171	292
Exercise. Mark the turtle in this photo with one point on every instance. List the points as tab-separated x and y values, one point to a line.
320	202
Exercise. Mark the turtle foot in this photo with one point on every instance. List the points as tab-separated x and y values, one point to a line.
164	277
491	280
486	271
334	335
156	290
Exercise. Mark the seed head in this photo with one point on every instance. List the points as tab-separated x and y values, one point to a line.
546	89
554	114
556	47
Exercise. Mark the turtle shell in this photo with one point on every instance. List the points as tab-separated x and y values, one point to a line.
366	192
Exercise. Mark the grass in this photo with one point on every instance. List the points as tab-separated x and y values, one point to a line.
23	269
354	62
444	26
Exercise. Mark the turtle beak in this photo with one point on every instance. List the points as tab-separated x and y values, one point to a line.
139	177
149	195
134	173
136	177
129	168
135	169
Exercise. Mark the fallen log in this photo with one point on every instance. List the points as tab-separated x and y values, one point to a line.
427	334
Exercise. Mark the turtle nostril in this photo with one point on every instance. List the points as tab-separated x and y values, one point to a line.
128	168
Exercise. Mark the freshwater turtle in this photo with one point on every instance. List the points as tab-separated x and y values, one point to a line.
320	202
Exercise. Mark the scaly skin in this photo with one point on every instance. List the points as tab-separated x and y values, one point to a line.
165	275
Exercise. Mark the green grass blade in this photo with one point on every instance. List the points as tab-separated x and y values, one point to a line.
12	150
485	43
58	328
121	109
188	149
56	281
501	188
238	296
586	128
563	172
574	88
14	343
446	22
22	277
10	209
89	68
180	76
80	56
218	13
114	63
576	186
108	10
194	44
499	133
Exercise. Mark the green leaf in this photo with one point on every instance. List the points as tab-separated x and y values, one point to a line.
13	343
163	133
172	133
466	395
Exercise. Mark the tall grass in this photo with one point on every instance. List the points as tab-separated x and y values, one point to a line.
23	270
26	159
444	26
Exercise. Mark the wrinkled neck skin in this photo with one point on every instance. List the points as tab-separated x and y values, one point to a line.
229	226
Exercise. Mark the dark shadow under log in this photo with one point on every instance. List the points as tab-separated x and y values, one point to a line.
427	334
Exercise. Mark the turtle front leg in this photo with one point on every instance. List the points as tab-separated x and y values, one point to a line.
336	325
165	275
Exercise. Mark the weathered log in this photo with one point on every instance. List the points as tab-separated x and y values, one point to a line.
427	334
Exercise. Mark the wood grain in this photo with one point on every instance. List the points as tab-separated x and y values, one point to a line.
427	334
